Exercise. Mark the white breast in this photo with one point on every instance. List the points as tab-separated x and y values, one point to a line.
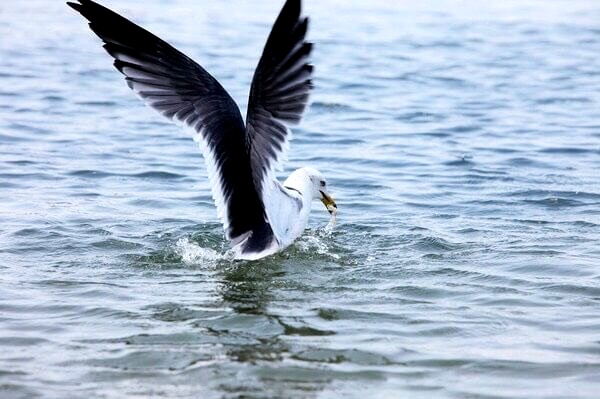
288	206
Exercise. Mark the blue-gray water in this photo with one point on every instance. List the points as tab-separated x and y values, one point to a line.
460	139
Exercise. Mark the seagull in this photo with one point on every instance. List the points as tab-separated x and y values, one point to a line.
260	215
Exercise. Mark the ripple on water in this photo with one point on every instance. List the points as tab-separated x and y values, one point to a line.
460	143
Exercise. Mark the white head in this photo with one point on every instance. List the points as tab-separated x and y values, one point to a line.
314	182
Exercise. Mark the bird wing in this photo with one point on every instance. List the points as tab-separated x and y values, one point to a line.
177	87
278	96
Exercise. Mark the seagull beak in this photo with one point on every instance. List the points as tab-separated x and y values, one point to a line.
328	202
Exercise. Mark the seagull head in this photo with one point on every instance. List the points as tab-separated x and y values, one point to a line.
319	189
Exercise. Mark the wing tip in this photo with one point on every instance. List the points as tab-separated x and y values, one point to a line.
295	5
80	4
74	6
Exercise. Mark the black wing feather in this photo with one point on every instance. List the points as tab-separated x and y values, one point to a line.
280	90
179	88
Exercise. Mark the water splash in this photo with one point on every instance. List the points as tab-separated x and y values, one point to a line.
316	242
332	222
193	254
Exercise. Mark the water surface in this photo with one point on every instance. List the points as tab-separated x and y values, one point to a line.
461	141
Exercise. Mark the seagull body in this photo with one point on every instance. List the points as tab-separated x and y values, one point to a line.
260	215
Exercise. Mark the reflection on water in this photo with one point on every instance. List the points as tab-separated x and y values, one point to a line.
245	286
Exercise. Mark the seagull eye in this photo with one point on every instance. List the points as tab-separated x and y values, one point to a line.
322	183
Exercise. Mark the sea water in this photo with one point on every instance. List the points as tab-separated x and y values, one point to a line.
461	141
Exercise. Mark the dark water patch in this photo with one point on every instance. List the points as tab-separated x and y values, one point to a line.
584	223
570	150
436	134
501	174
334	314
195	338
555	202
299	374
150	203
22	162
537	252
40	234
246	324
77	283
583	290
453	273
10	185
342	356
304	330
530	163
515	303
563	100
18	390
97	174
452	81
460	129
422	205
53	98
41	311
113	244
22	127
538	370
159	175
436	244
155	259
94	174
361	86
331	106
9	138
172	312
21	341
463	161
423	293
16	75
151	360
97	103
8	94
420	117
545	194
546	268
86	195
590	349
501	150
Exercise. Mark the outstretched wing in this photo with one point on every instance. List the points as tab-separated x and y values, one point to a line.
179	88
278	97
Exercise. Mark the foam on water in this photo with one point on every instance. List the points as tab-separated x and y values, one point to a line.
193	254
315	242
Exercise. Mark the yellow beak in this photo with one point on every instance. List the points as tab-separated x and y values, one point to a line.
328	202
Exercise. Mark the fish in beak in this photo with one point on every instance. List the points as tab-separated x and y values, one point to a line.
328	202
